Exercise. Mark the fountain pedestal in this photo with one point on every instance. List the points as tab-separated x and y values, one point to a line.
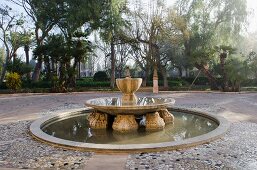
124	113
154	122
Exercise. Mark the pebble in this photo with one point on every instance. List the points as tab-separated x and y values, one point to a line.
19	150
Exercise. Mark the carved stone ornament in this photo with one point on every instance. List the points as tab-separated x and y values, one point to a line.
167	116
125	123
98	120
154	121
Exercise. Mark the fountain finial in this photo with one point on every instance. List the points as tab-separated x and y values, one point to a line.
127	72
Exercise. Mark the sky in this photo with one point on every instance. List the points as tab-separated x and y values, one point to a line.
252	6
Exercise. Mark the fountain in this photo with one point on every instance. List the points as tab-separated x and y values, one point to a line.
129	124
128	107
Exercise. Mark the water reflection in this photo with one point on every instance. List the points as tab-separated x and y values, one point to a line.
141	101
77	129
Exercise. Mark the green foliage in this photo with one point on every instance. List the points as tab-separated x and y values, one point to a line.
45	13
160	77
252	65
205	24
113	22
39	84
198	81
95	84
58	49
236	70
100	76
76	13
57	86
18	39
13	81
174	82
19	67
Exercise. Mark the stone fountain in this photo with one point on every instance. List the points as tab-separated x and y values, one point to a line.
126	109
152	126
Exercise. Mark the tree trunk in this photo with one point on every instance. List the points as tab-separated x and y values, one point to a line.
187	72
210	77
53	67
48	70
26	49
147	71
14	56
3	73
37	69
7	59
180	71
112	64
165	77
79	70
120	72
223	57
36	73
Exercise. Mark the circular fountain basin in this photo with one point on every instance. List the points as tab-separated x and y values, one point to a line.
116	105
71	130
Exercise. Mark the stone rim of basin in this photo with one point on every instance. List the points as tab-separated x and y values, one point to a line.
130	108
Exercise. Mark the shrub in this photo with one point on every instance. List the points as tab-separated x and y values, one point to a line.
171	83
198	81
236	72
100	76
3	85
19	67
93	84
13	81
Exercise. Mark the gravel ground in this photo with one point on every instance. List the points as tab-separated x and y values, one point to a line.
236	150
19	150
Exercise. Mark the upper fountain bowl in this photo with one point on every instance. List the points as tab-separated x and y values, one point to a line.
128	85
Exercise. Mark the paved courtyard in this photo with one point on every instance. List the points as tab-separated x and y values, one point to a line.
236	150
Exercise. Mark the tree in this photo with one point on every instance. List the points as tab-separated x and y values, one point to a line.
201	22
111	29
11	38
236	70
2	56
123	54
87	15
148	31
27	40
45	15
57	55
252	65
224	51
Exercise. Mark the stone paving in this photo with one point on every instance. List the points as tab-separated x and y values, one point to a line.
236	150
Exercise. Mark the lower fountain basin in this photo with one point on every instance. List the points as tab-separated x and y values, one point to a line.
71	130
